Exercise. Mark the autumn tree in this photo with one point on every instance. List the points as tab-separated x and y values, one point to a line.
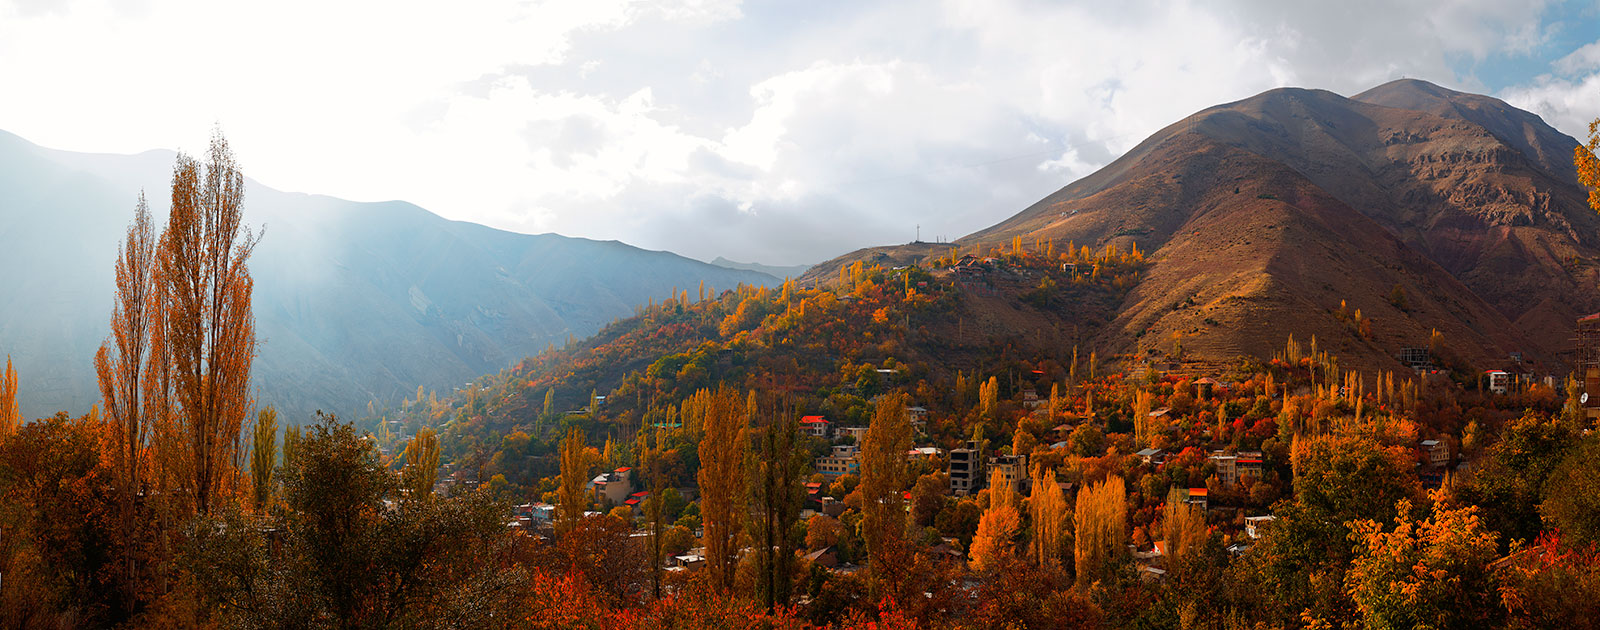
1100	528
263	456
210	329
10	417
1432	573
999	526
422	463
1048	511
722	483
1588	164
572	499
1183	527
884	477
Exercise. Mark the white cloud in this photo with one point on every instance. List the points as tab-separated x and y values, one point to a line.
779	133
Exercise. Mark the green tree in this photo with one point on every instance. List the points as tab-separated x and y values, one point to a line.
263	456
1572	494
778	494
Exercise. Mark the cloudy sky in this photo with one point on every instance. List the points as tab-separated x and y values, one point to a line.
781	132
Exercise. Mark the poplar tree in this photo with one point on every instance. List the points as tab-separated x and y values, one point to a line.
263	457
422	463
571	500
722	484
1048	510
1100	522
884	477
210	328
10	417
1183	527
779	495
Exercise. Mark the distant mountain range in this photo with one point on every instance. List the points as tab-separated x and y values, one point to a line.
354	301
792	271
1260	217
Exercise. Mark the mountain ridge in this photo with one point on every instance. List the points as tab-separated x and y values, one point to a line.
355	301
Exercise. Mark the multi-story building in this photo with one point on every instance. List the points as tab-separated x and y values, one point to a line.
966	469
1588	365
842	461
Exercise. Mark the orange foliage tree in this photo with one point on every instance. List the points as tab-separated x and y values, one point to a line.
10	417
721	479
210	329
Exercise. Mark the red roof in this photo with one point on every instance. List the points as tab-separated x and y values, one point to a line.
624	469
812	420
1248	461
814	484
631	502
640	494
1589	317
1197	492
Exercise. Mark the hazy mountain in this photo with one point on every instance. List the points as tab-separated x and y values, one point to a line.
354	301
1261	216
776	271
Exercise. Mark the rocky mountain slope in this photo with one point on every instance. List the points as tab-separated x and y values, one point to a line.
354	301
1259	217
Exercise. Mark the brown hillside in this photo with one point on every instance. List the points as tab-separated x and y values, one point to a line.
1260	216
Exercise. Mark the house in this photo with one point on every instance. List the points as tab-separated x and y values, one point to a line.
1499	381
636	502
918	416
1227	468
694	559
1015	470
1437	451
613	486
966	469
923	453
1256	526
824	557
1198	496
1204	387
1249	466
841	462
857	433
814	426
814	494
1151	456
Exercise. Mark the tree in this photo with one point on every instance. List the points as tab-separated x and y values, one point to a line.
884	477
572	499
989	397
10	417
422	463
1432	573
1588	164
121	359
1100	527
1572	494
264	456
1048	511
779	494
1183	527
210	329
721	478
998	528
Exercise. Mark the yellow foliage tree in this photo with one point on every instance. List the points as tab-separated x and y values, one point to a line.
1588	164
998	527
10	417
1101	524
721	479
1183	527
1048	509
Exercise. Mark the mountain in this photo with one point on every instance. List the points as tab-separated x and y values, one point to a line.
776	271
1260	217
353	301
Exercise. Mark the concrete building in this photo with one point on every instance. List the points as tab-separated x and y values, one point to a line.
966	469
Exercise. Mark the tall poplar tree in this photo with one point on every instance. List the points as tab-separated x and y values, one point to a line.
264	456
1048	510
571	500
210	329
779	494
10	417
1100	522
722	483
884	477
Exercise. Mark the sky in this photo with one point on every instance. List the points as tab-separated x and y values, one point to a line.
777	132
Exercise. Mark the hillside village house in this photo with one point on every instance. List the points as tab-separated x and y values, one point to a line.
966	469
1499	381
856	433
814	426
614	486
841	462
1256	526
1437	451
1015	470
1151	456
